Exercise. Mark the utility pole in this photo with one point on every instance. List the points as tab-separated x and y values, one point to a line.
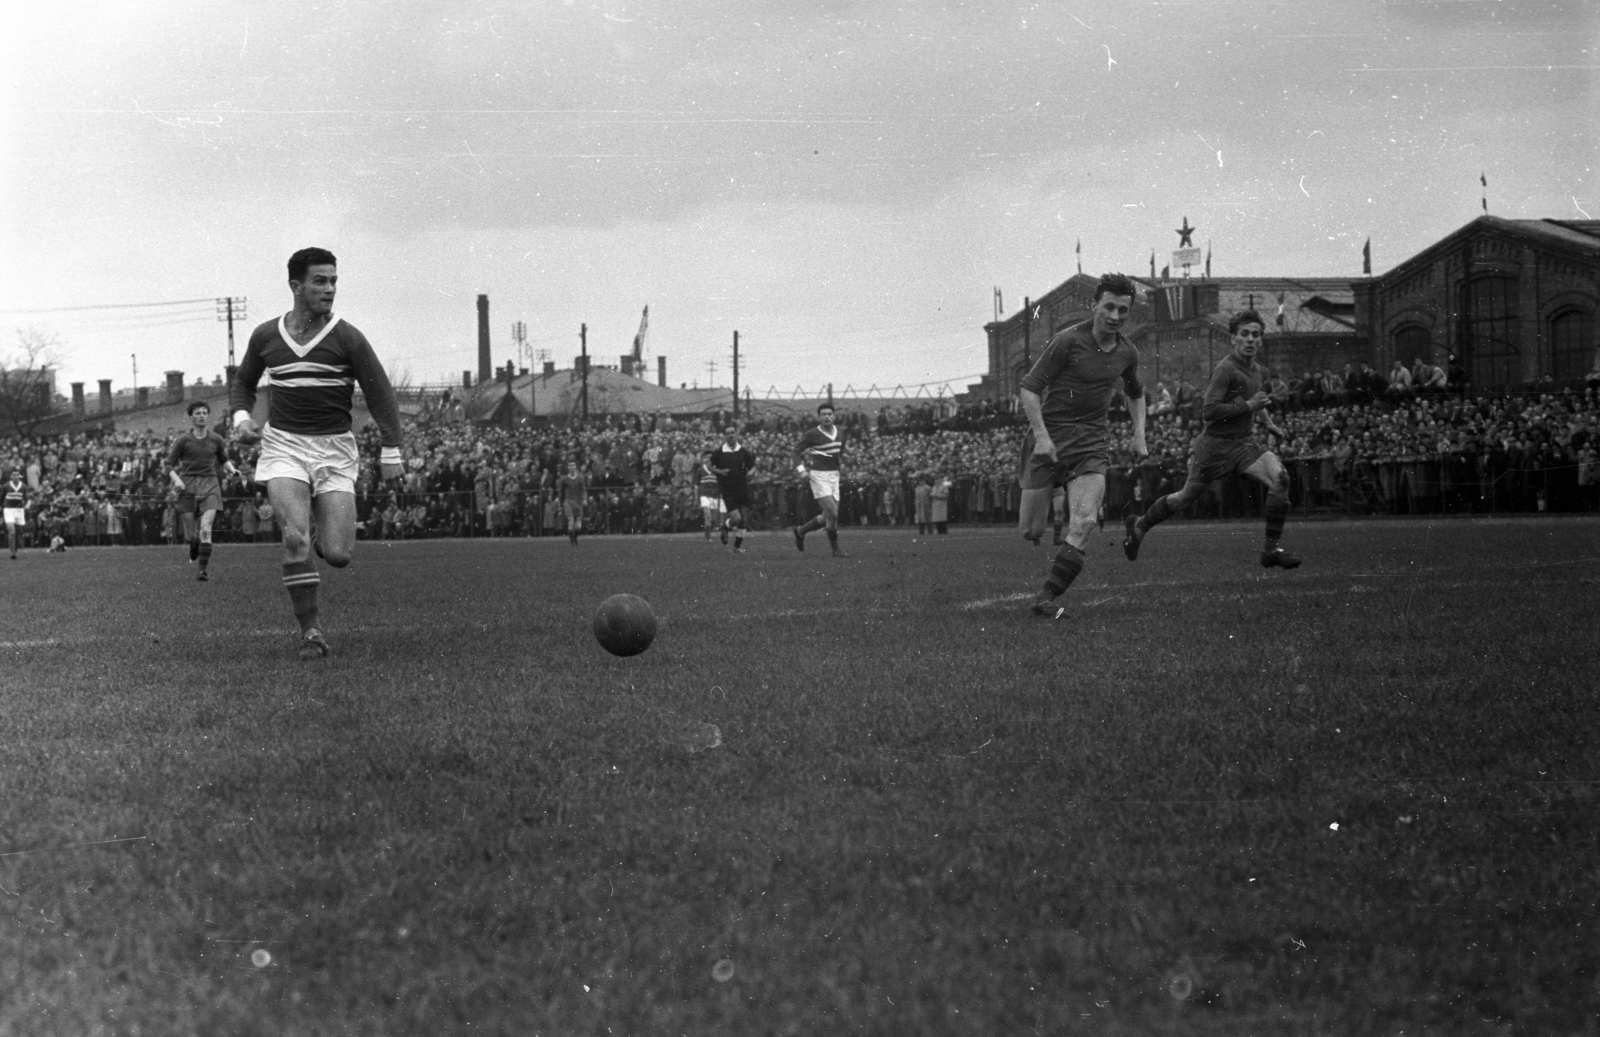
1027	330
583	397
230	307
519	335
736	376
711	377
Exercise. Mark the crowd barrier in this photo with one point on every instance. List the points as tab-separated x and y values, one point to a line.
1460	484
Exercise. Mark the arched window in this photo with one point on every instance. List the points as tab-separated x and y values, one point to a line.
1412	341
1572	344
1489	313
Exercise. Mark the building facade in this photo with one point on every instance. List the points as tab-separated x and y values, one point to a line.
1512	303
1502	304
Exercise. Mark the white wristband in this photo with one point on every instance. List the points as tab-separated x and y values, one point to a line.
389	455
801	469
240	416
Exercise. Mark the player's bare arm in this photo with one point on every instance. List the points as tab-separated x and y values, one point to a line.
1033	407
1136	412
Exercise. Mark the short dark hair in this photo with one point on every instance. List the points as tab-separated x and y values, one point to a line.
306	258
1114	284
1244	317
196	405
824	406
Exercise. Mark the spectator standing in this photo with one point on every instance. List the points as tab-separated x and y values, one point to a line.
939	511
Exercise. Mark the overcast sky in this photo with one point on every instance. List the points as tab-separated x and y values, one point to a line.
844	184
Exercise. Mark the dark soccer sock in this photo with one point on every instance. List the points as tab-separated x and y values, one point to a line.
1065	569
817	522
1277	511
205	553
301	580
833	537
1159	512
194	550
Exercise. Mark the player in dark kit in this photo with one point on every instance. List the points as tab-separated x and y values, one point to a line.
1234	397
732	465
309	459
15	510
573	489
818	458
193	463
1066	397
710	494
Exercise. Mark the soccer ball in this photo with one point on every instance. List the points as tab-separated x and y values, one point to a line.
624	624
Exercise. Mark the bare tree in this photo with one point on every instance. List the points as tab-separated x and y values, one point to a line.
27	380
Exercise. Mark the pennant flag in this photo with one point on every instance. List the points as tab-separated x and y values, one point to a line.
1366	257
1080	255
1152	265
638	340
1208	259
1280	310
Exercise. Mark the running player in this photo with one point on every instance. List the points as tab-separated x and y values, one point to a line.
1234	397
574	492
309	459
15	510
1066	397
732	465
193	462
705	482
817	457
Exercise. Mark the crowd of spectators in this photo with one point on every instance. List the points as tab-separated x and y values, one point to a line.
1349	441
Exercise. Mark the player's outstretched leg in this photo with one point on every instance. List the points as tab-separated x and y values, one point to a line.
1066	567
1136	528
1273	556
1270	471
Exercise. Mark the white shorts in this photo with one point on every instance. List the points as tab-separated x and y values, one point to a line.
824	484
711	503
328	463
15	516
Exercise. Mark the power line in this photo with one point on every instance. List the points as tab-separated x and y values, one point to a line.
112	306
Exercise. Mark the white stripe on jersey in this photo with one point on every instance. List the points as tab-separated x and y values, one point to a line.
305	366
302	383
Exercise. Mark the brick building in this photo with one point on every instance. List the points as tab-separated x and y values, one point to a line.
1514	301
1503	303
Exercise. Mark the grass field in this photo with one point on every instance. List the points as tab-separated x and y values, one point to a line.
1356	798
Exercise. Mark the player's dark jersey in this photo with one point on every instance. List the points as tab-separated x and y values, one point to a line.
1226	407
198	458
16	495
820	451
313	385
574	488
732	467
705	480
1075	378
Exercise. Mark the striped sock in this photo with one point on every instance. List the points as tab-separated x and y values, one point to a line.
205	554
1065	569
301	580
1277	511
